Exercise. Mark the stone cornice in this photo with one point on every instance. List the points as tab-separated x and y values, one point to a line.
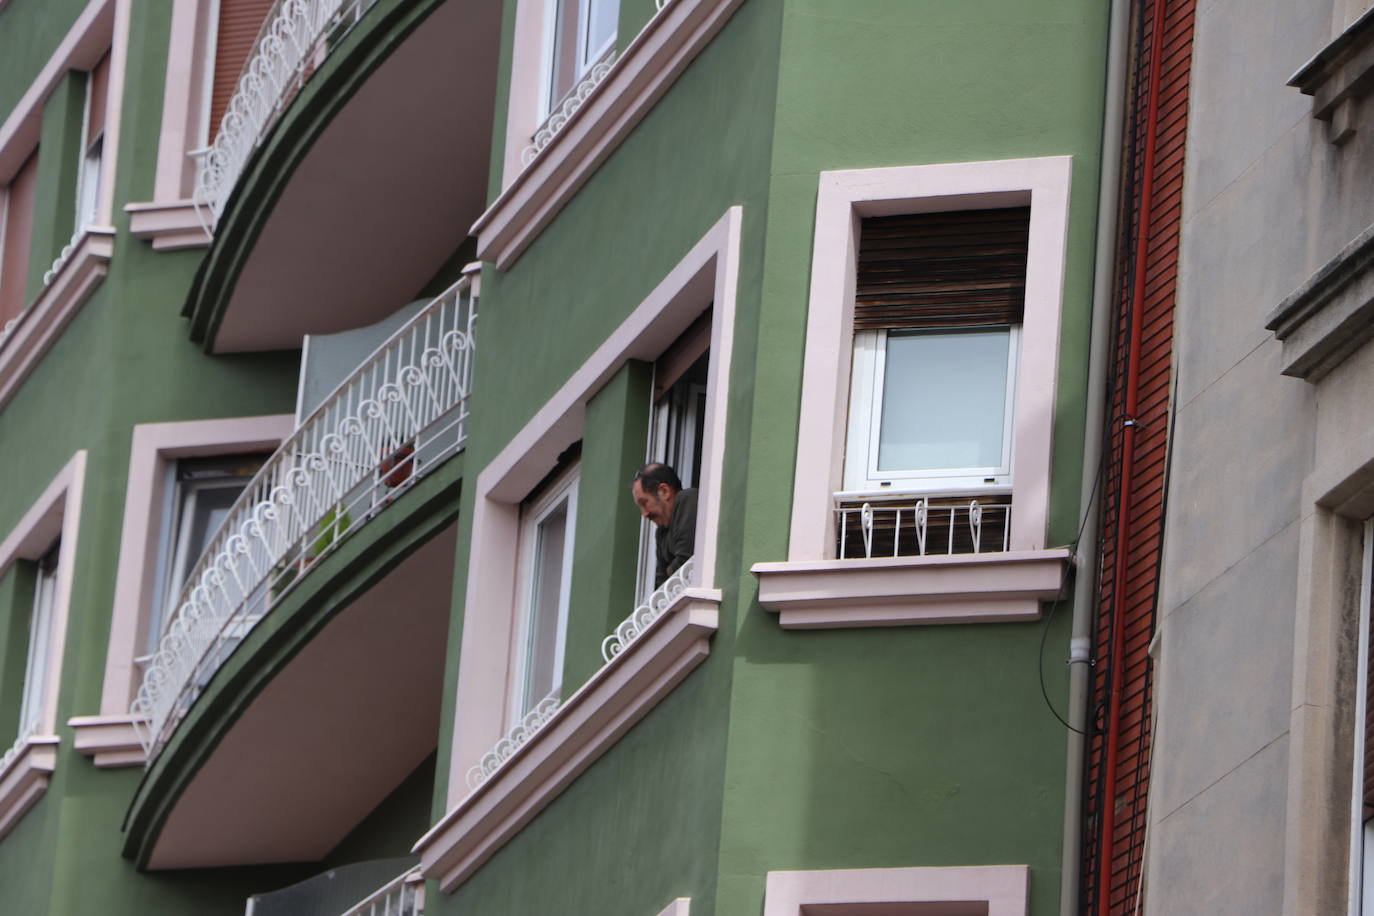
584	727
30	335
1339	76
1331	315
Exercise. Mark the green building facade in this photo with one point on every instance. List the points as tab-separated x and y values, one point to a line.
319	556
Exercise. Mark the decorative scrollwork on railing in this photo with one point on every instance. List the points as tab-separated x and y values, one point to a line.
563	111
398	416
295	37
521	732
655	607
920	526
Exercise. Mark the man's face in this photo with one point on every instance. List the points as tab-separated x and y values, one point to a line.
656	506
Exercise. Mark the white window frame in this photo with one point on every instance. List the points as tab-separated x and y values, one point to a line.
861	474
54	518
109	736
562	492
586	57
39	648
844	198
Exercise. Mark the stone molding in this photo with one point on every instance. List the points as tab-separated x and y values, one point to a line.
587	725
911	591
1331	315
169	226
1339	76
25	780
109	740
31	334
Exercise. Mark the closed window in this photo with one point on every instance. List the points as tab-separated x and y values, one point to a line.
93	146
16	238
938	306
546	546
198	494
577	35
39	644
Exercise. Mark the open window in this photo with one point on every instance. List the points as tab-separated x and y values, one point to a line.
677	428
545	570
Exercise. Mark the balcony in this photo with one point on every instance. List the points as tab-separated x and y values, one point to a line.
397	418
351	162
295	38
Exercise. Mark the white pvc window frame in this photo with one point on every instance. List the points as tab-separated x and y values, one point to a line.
586	56
561	494
862	477
40	642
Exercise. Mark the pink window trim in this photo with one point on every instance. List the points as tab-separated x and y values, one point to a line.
153	446
858	891
707	274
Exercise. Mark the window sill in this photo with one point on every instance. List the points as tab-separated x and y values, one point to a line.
29	336
583	728
649	66
911	591
168	225
24	778
110	740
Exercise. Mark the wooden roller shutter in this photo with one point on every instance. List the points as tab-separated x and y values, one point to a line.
239	24
99	90
942	270
17	238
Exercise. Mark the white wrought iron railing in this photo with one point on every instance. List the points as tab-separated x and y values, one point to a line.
922	527
293	42
400	414
402	896
630	629
566	107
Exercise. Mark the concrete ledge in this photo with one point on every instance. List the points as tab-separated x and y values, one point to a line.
1339	76
110	740
912	591
168	225
650	65
25	780
588	724
1331	315
30	335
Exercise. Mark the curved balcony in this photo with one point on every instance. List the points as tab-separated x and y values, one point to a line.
295	37
400	415
348	169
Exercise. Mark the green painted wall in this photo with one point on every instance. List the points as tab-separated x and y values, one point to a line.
54	217
125	359
913	746
30	31
910	746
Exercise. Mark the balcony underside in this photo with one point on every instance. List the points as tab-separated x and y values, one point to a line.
322	711
364	189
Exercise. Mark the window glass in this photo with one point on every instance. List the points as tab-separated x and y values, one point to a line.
546	569
943	400
546	603
199	495
602	16
580	31
40	645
